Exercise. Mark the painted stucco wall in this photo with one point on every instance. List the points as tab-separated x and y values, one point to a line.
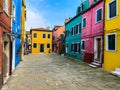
92	28
40	40
112	58
73	39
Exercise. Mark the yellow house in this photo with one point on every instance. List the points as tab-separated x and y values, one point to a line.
41	40
112	35
23	20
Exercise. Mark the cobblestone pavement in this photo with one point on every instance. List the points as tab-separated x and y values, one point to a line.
55	72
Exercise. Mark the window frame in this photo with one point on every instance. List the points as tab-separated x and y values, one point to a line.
108	44
34	44
6	6
47	45
108	9
83	22
34	35
72	31
43	35
101	14
49	35
14	12
84	45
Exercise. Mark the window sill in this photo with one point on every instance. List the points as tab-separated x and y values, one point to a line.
99	21
111	50
112	17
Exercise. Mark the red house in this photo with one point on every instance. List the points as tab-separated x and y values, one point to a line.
5	29
92	32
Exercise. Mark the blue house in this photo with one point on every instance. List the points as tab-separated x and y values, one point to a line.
73	33
16	31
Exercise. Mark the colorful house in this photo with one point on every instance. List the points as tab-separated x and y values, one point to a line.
16	32
5	40
73	33
92	33
57	44
41	40
112	35
23	28
28	41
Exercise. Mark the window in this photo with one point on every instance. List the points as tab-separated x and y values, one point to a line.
78	47
35	35
6	6
112	12
83	45
48	45
99	15
72	47
75	47
44	35
48	35
14	13
79	30
72	31
111	42
34	45
84	22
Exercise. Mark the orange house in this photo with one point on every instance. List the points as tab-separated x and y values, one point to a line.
57	44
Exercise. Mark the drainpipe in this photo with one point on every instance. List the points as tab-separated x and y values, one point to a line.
103	30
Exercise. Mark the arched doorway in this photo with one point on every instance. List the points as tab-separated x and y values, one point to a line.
6	50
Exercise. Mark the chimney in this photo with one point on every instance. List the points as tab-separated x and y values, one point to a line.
66	20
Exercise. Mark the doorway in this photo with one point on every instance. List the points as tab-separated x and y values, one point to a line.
41	47
6	61
98	49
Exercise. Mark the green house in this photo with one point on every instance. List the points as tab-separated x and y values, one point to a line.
73	32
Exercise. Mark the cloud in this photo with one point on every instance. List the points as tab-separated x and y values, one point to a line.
34	20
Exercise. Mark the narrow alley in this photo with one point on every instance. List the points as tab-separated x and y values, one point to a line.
55	72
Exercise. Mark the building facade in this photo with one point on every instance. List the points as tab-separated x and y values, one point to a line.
16	32
28	41
41	40
5	40
73	33
57	44
23	20
112	35
92	32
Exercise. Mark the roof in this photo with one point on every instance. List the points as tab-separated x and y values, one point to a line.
40	29
27	32
56	27
84	11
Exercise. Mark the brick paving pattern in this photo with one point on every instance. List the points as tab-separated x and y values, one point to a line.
55	72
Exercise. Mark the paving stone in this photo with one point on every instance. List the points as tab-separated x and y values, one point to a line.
56	72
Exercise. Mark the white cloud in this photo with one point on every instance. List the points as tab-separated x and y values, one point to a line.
35	20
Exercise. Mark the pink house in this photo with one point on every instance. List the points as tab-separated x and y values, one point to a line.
92	32
57	44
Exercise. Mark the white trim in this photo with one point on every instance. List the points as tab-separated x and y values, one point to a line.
95	48
82	22
101	15
108	9
73	31
84	44
6	6
107	42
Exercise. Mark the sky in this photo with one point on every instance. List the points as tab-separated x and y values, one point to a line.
44	13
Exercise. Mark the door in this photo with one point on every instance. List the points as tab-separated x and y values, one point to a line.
42	48
98	49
